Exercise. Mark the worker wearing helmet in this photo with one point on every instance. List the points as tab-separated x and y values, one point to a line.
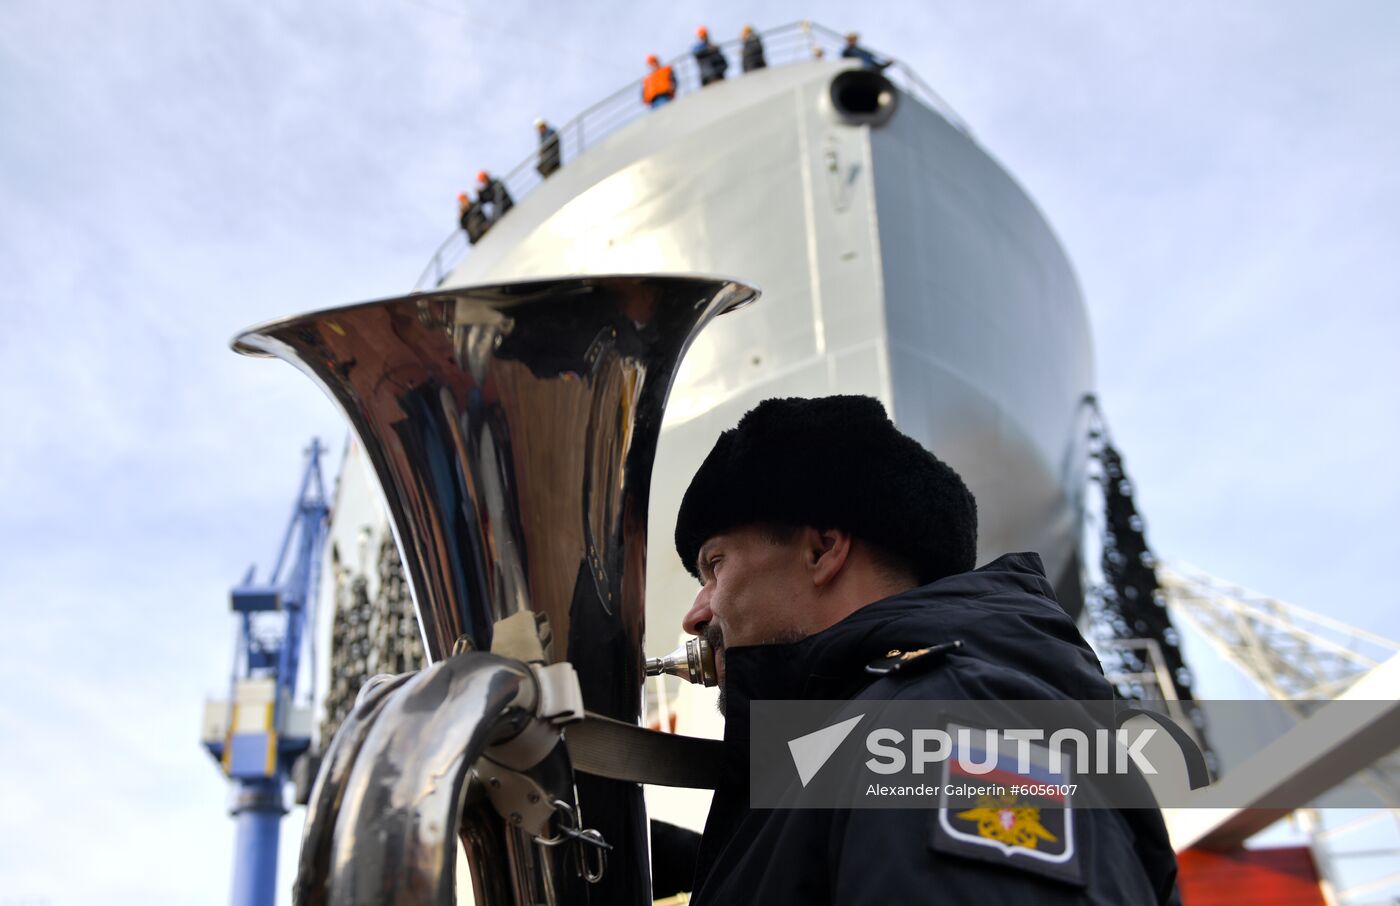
492	194
753	50
659	87
549	148
867	58
471	218
708	57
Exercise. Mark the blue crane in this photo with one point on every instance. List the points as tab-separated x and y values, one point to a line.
258	734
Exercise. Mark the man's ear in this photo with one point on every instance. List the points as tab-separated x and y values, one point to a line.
825	552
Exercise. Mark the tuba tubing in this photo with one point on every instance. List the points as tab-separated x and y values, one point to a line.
512	430
396	828
313	865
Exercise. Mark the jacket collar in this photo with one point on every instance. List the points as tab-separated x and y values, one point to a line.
831	663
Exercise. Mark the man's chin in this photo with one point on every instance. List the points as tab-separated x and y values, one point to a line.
715	636
719	679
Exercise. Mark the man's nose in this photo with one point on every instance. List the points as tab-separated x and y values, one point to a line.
699	613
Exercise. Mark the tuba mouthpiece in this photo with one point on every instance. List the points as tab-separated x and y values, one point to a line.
693	661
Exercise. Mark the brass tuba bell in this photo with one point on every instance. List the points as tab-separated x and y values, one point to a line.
512	429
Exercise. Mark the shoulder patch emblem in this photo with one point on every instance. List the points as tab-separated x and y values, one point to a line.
996	808
1007	820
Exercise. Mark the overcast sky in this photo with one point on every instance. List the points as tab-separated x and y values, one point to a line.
1223	177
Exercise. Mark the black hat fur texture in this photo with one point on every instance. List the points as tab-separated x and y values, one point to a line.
832	462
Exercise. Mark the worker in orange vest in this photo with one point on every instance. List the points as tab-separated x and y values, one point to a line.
659	87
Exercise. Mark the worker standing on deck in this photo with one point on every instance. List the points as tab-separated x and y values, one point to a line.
491	191
549	148
753	50
708	57
659	87
471	218
853	51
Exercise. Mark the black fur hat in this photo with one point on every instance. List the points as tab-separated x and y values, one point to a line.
832	462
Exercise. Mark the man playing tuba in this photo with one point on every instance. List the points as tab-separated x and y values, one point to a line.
835	556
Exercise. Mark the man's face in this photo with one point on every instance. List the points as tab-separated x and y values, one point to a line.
754	591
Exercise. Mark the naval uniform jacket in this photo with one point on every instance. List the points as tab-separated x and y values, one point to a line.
1017	643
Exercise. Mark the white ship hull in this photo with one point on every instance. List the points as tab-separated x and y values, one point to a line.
896	260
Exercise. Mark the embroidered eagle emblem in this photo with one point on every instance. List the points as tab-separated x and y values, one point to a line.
1001	818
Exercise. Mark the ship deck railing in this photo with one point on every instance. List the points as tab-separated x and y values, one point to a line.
797	42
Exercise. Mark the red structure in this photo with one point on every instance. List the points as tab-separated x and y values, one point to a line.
1283	876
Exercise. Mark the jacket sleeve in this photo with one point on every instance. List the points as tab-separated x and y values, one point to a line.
888	856
896	855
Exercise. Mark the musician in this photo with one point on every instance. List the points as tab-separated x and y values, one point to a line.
836	557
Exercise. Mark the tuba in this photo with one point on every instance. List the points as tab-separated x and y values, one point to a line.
512	429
